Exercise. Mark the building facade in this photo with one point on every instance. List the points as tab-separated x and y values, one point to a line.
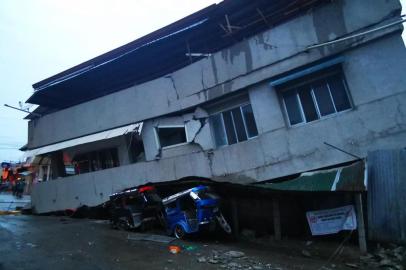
267	96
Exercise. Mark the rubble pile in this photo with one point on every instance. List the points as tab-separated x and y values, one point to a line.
233	260
386	258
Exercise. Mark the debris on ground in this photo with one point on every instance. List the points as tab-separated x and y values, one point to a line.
189	248
248	234
10	212
308	243
306	253
234	260
385	258
234	254
150	237
101	221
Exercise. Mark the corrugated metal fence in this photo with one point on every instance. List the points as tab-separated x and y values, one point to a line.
387	196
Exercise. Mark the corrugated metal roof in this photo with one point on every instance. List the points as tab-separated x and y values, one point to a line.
386	196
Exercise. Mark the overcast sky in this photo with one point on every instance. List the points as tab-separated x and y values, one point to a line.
43	37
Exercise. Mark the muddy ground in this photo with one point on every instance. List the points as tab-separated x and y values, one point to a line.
49	242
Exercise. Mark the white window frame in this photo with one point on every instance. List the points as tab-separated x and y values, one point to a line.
232	117
158	143
320	117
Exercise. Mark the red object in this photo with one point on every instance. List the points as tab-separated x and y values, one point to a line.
174	249
5	174
11	177
146	188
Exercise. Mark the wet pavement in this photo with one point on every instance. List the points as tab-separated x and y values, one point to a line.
52	242
9	202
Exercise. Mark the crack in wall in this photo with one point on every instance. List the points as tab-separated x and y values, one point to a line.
202	77
400	117
202	124
214	68
173	85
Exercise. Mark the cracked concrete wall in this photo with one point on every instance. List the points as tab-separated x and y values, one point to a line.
197	128
248	62
377	85
376	121
92	189
272	154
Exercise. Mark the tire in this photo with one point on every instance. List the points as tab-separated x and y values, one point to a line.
113	225
179	232
123	224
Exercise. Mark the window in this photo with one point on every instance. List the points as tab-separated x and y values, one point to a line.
235	125
171	206
316	98
170	136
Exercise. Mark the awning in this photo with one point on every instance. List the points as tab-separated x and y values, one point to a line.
104	135
307	71
347	178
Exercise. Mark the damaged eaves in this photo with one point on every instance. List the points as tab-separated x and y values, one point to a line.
172	43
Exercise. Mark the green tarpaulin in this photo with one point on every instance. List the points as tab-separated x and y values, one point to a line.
348	178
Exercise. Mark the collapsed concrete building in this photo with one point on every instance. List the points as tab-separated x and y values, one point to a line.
241	92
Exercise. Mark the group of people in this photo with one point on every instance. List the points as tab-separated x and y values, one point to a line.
18	188
9	180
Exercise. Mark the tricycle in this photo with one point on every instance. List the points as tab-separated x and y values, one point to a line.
192	210
135	208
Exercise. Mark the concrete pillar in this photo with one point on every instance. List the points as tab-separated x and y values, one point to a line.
276	219
360	223
234	217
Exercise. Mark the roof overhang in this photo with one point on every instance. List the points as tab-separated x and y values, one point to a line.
104	135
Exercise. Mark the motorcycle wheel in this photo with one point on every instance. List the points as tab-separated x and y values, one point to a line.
179	232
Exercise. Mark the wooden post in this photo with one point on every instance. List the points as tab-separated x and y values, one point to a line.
234	216
360	223
276	219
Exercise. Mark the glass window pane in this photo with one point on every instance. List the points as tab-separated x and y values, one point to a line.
228	122
338	92
323	98
218	130
308	106
171	136
239	124
249	121
292	107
